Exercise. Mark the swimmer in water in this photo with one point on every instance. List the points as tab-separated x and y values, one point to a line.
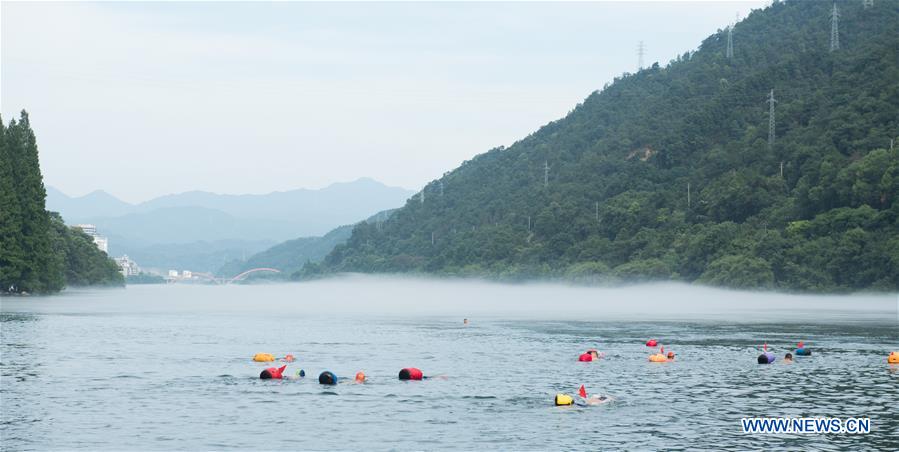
670	356
593	399
597	400
273	373
596	354
360	377
412	373
788	358
298	375
465	321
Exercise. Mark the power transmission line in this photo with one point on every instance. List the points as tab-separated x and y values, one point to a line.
835	29
729	53
545	174
641	49
688	196
771	102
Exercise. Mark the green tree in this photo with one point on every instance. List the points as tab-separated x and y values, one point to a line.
739	271
12	256
38	253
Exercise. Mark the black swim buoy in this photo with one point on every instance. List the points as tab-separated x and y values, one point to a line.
327	378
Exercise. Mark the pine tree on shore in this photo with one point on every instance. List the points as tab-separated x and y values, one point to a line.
12	257
38	253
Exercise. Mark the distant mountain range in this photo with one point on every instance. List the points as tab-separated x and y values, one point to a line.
201	231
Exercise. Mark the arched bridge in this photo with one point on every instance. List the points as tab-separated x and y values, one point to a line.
251	271
209	277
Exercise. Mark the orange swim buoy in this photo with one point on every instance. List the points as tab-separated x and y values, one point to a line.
263	357
658	358
360	377
893	358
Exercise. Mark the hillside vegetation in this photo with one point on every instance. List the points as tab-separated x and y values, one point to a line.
668	173
38	252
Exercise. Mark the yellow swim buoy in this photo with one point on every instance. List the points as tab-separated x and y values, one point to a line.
658	358
263	357
893	358
564	400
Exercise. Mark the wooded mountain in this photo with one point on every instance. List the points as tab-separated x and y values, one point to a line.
669	174
38	252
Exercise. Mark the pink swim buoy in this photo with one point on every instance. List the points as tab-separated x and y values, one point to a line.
652	343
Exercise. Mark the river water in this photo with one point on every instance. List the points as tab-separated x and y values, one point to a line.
168	367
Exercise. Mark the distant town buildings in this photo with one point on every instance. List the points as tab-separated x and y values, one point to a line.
175	275
91	230
127	266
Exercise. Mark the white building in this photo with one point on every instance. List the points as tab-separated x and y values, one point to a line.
127	266
88	229
173	273
102	243
91	230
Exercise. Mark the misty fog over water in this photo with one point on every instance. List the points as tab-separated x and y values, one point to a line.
397	296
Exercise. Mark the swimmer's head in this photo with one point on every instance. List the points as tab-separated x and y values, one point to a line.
360	377
327	378
301	373
788	356
265	375
670	355
289	358
593	352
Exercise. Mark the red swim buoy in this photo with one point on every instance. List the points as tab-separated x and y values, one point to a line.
585	357
652	343
411	373
273	372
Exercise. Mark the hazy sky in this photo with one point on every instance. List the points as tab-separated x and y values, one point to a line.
144	99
